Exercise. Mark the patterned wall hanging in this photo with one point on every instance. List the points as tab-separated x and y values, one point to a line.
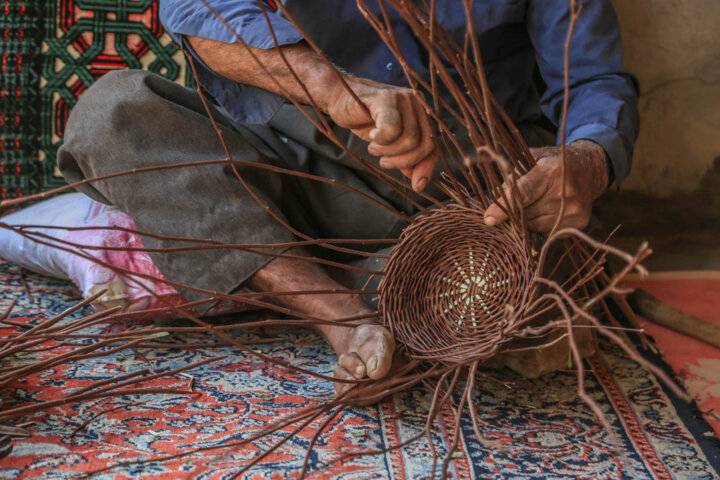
20	50
52	51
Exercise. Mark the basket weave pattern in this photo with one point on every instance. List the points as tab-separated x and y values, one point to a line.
452	284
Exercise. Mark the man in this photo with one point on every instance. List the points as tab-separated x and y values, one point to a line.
132	120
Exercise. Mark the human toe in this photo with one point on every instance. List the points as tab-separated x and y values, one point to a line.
376	350
342	374
351	362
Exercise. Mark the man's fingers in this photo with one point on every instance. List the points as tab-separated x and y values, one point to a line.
542	224
541	208
495	215
545	223
530	188
364	132
402	136
423	172
410	159
425	145
388	121
408	139
425	169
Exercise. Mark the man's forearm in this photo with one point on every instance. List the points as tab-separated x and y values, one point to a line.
389	118
266	69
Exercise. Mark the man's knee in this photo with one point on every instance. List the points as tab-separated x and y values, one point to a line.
115	87
95	116
105	122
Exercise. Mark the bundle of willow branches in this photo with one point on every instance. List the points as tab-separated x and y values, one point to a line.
454	292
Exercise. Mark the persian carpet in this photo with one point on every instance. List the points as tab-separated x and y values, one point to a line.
542	428
52	51
696	364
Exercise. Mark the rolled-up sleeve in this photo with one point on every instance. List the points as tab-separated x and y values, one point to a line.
603	95
243	17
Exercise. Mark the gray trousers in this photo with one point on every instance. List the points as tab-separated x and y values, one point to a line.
133	119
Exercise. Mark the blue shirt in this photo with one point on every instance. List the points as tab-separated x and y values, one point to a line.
514	36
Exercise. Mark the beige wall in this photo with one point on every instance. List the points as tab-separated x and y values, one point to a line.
674	48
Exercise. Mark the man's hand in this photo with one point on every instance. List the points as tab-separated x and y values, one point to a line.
398	129
540	190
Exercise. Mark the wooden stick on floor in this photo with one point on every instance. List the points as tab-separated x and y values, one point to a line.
658	312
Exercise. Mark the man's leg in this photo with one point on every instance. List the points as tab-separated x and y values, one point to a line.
363	351
131	120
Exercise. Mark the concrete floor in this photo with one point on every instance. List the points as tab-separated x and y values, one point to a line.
682	230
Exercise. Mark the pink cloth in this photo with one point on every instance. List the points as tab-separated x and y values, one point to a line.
92	270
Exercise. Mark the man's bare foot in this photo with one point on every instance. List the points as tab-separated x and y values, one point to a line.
364	349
